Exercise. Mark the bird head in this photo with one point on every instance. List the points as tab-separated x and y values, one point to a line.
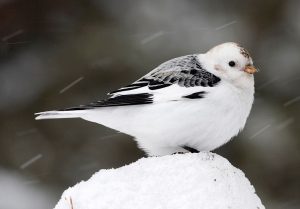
230	61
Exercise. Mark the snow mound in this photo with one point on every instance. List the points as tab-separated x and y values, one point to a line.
182	181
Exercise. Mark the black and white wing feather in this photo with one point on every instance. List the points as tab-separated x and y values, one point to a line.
185	71
119	100
182	72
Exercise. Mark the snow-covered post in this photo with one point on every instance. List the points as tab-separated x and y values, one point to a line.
182	181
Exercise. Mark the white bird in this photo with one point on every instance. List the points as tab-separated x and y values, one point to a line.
191	103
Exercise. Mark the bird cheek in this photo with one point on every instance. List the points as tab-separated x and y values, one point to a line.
219	68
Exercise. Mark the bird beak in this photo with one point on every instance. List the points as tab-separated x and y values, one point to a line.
250	69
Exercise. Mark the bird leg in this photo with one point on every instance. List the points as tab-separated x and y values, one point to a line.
175	153
190	149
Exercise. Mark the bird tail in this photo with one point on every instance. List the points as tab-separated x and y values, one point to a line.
55	114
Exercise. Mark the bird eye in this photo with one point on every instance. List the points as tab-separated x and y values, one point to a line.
231	63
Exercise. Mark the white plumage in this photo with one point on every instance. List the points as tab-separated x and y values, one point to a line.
191	103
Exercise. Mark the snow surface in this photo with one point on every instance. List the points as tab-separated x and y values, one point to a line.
182	181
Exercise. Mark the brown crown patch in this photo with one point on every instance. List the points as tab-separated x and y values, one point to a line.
244	52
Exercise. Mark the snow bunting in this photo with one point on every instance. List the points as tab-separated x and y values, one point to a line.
191	103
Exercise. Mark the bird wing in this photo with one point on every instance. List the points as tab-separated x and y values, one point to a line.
119	100
178	78
185	71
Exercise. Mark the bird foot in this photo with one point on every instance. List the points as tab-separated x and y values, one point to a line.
175	153
190	149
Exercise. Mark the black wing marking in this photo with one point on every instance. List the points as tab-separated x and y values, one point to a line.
185	71
190	149
196	95
151	83
121	100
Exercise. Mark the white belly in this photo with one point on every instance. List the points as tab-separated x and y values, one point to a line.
162	128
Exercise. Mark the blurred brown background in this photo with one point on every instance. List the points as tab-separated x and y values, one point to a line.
55	54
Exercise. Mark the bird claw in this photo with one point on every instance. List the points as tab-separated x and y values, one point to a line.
175	153
190	149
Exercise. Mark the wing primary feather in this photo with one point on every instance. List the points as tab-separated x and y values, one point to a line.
120	100
155	87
